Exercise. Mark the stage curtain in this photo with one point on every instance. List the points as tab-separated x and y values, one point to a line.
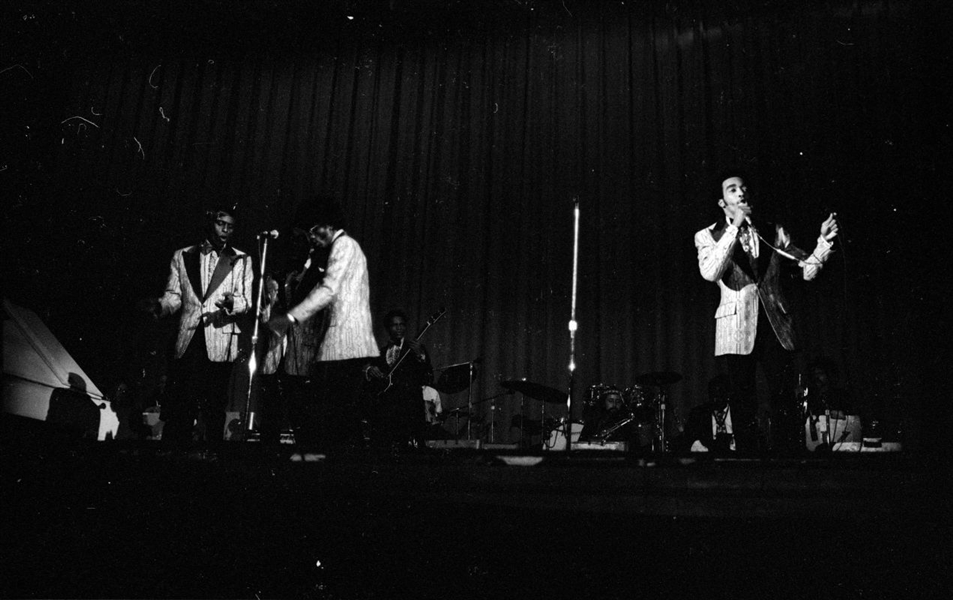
459	138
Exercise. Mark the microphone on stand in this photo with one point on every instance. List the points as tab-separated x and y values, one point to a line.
273	234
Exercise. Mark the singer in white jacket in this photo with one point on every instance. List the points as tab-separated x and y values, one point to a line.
349	341
753	322
210	286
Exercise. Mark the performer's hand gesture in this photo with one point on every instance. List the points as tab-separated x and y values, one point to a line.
226	302
829	228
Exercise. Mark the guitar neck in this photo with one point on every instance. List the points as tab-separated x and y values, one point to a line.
404	355
430	322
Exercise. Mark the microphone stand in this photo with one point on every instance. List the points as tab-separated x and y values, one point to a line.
573	325
249	416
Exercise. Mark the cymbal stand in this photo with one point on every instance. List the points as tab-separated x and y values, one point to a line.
469	399
471	366
522	418
542	422
456	423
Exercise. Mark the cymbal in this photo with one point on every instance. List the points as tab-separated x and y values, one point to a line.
455	379
535	391
658	378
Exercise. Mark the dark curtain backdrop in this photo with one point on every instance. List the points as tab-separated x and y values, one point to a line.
457	138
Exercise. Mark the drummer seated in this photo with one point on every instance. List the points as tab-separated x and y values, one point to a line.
709	427
604	424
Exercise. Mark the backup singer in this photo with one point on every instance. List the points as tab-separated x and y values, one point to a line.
753	323
288	361
211	283
333	421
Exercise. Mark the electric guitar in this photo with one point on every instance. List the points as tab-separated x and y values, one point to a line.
379	387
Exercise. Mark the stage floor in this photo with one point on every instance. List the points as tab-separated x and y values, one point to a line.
137	520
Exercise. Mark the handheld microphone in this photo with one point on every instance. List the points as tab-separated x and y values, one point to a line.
273	234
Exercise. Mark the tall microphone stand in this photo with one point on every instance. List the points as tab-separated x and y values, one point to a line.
249	416
573	325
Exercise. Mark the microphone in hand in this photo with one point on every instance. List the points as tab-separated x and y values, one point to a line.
829	228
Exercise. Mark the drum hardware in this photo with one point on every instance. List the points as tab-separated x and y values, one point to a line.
636	404
536	391
456	378
660	380
528	426
468	413
603	436
556	438
450	382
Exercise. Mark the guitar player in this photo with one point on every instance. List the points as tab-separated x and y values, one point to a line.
395	403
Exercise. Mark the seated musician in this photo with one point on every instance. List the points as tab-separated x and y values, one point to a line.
821	393
610	421
709	427
396	405
826	405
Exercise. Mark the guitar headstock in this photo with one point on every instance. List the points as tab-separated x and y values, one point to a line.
436	316
433	319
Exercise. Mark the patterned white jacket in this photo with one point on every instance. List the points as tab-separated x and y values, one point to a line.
233	273
748	285
346	290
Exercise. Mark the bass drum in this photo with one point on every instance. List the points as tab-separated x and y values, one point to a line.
557	439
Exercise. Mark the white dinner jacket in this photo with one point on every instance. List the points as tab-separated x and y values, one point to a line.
183	291
346	290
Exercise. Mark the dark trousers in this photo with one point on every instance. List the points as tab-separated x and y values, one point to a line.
199	389
282	400
331	420
778	367
396	417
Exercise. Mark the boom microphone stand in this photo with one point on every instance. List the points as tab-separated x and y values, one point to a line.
573	325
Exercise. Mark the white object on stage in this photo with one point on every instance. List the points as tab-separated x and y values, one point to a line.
38	369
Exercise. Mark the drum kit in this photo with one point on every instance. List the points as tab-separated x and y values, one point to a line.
644	403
